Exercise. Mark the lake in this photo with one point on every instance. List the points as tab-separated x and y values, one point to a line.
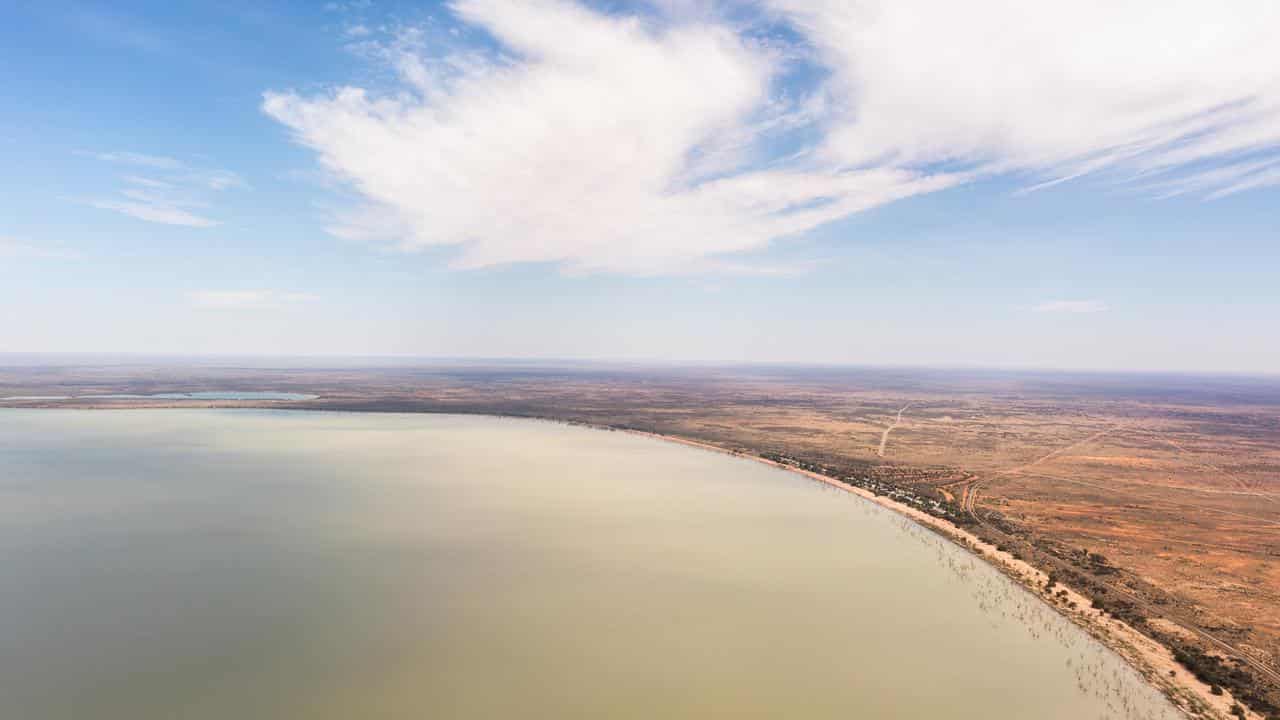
202	395
220	564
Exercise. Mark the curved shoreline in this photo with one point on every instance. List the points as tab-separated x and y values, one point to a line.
1152	660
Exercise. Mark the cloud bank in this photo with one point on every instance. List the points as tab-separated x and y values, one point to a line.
655	142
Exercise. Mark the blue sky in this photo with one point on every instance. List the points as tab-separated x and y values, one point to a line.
703	182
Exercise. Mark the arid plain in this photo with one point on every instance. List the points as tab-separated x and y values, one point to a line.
1157	496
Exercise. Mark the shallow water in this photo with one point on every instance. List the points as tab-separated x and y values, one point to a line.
215	564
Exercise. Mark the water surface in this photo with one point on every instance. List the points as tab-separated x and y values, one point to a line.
202	395
211	395
218	564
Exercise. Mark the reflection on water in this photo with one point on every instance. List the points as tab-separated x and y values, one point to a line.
214	564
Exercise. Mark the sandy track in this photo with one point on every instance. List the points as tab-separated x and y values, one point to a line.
1214	468
1055	453
884	436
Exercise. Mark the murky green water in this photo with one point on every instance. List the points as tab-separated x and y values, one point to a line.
229	565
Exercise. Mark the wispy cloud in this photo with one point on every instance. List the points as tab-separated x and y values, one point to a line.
168	199
1071	306
1265	179
1218	182
219	180
1066	90
649	144
248	299
349	6
156	213
159	162
147	182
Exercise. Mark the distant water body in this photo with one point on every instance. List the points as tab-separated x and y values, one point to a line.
218	564
212	395
216	395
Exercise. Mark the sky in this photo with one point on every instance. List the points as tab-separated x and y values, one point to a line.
1090	185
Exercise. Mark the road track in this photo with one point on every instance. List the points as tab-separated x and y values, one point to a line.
884	436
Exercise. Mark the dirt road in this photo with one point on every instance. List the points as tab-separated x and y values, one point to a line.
884	437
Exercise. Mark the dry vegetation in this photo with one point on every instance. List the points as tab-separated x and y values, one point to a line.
1158	496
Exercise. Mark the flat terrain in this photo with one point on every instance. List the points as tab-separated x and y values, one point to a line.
1157	495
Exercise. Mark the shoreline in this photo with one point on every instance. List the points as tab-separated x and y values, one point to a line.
1149	658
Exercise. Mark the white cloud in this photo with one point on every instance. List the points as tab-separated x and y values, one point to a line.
1071	306
1065	88
159	162
1216	181
147	182
354	5
603	147
611	142
156	213
247	299
167	199
219	180
1253	181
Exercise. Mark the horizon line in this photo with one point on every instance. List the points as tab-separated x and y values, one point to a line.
408	360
